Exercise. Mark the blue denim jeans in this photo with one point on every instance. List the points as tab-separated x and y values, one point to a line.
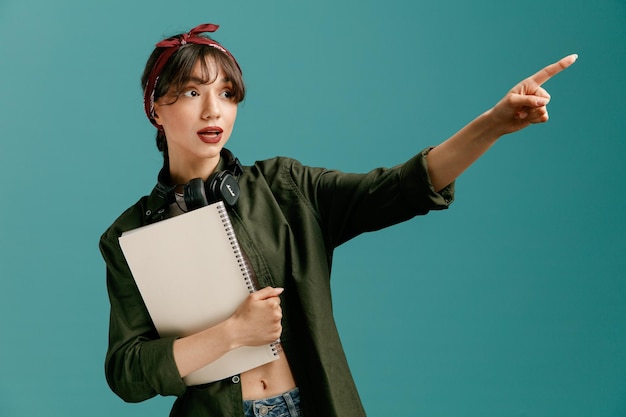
284	405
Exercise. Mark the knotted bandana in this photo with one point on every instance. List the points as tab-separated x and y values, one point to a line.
173	45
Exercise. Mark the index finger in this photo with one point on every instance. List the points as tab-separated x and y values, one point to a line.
553	69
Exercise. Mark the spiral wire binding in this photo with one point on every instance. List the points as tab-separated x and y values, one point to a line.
232	238
241	260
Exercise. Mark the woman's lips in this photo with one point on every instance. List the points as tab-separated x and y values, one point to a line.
211	134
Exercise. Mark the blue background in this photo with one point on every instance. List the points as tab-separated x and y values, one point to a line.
511	303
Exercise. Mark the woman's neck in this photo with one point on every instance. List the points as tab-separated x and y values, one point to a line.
182	173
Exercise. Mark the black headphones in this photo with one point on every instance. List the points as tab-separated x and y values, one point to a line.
220	186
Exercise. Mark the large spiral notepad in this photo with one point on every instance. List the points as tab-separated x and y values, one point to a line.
192	275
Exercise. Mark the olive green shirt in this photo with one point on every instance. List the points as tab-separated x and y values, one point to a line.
289	219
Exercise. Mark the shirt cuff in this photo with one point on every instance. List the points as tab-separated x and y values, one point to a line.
157	361
419	185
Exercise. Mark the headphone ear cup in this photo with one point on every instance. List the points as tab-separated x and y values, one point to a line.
220	186
195	194
223	186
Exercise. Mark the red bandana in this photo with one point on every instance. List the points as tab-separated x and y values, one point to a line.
173	45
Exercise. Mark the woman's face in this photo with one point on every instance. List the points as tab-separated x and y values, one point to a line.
197	123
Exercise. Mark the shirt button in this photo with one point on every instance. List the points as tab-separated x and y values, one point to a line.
264	410
235	379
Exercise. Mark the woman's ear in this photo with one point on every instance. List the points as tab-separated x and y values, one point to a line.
156	114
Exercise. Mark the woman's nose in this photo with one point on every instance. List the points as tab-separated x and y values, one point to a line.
211	108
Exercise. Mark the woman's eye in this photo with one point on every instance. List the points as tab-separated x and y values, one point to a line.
190	93
227	94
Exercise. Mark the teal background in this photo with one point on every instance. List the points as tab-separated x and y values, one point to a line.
511	303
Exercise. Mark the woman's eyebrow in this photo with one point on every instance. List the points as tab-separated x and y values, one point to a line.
195	80
198	80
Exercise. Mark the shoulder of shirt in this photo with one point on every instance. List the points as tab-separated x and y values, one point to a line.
132	218
276	165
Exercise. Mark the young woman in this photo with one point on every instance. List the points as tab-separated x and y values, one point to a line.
288	218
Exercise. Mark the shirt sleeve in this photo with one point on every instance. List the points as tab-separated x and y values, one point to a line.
139	364
351	204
